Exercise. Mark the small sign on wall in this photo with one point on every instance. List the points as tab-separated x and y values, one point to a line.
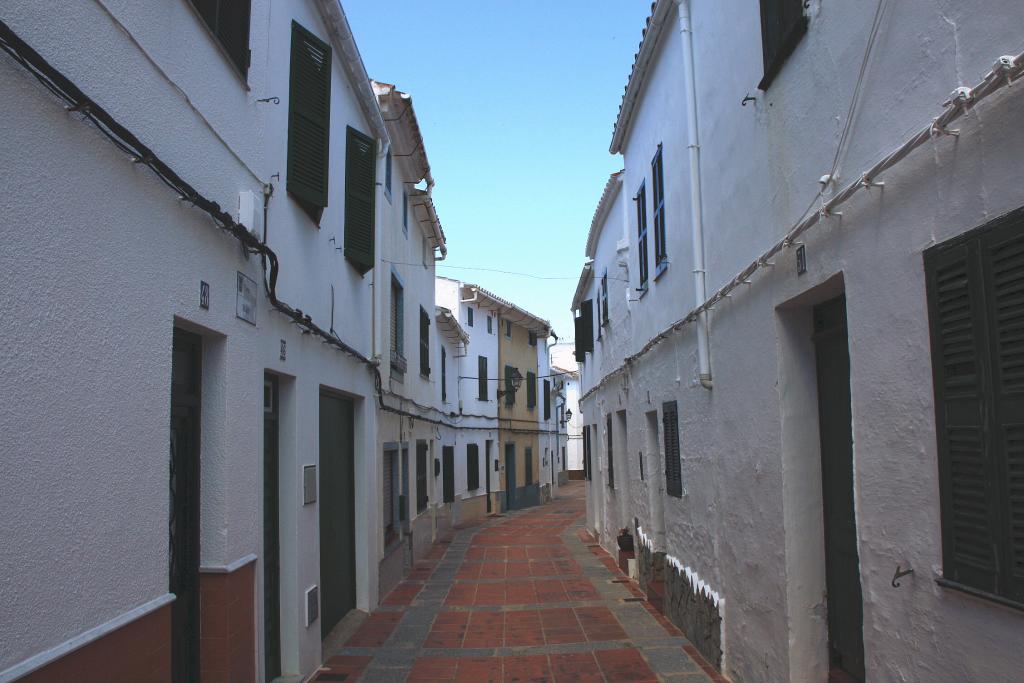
245	299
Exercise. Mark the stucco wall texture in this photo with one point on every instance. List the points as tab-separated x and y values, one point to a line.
749	521
101	262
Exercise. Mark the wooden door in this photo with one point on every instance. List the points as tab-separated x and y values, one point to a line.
510	476
842	565
448	473
186	373
487	473
271	532
337	511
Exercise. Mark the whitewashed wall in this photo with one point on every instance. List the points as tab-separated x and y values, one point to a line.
747	519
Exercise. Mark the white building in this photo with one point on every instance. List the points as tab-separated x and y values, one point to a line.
471	404
413	502
752	333
268	335
564	366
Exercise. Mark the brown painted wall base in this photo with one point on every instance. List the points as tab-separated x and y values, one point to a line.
139	651
227	644
576	475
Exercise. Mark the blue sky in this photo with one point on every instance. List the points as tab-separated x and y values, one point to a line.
516	101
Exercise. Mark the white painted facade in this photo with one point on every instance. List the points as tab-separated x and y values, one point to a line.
562	361
749	521
103	262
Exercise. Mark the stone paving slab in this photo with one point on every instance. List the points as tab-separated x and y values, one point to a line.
526	596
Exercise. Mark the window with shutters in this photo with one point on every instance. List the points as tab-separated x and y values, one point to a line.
510	394
976	313
444	373
481	378
424	343
783	24
421	476
641	232
387	175
228	21
597	314
469	317
531	390
490	324
390	492
309	121
584	330
528	466
611	459
508	329
604	298
673	464
472	467
660	241
531	338
360	182
547	399
398	362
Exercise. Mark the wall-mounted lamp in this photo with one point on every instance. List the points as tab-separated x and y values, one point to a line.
517	381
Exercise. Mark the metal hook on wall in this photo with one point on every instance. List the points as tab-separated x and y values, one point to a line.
900	573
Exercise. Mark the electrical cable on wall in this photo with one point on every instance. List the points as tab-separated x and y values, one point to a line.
78	102
1005	71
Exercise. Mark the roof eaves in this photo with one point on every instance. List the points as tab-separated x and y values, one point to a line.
526	319
586	275
604	205
430	224
641	62
403	129
450	327
345	44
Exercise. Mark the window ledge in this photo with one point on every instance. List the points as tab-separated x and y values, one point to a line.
980	594
641	292
660	269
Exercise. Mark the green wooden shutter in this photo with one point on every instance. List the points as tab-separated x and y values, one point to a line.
360	185
472	467
424	343
673	465
1003	259
956	312
587	325
782	25
444	373
510	394
481	378
531	390
309	119
421	477
547	399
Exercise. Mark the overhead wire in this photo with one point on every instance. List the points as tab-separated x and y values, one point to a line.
76	101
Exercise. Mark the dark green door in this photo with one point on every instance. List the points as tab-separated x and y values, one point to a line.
337	511
186	371
271	532
510	476
487	473
448	474
842	565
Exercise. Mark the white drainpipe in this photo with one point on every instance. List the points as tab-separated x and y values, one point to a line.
696	209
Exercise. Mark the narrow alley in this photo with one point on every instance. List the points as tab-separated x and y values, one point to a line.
525	596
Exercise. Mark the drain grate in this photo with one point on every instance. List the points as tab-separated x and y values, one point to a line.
331	677
632	599
620	580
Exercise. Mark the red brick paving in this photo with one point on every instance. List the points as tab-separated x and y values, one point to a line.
501	597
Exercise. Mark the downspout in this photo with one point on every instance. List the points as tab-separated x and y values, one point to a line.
696	208
378	227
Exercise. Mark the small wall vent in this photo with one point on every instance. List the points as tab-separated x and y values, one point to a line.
312	605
